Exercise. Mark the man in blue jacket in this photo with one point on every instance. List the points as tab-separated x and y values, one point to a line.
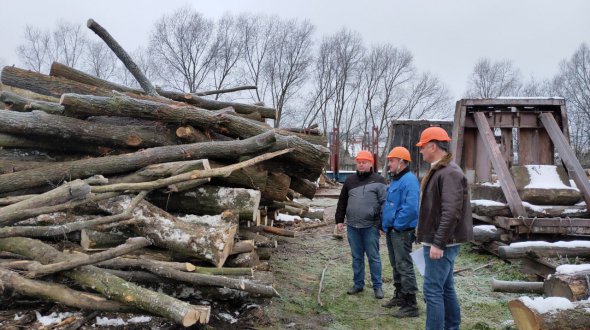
360	202
399	219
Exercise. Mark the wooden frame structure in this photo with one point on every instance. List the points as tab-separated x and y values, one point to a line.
494	134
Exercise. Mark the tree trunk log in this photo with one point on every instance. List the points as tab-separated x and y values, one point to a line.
243	247
77	189
303	186
125	163
16	102
312	156
204	103
278	231
571	286
264	253
125	263
517	286
60	293
109	285
20	141
92	240
210	243
246	259
162	170
252	177
549	251
123	56
575	318
130	245
47	85
43	125
64	71
211	200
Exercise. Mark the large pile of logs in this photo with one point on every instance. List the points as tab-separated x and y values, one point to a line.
118	171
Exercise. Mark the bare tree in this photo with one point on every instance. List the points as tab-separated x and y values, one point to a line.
99	60
287	64
180	49
34	52
490	80
573	82
142	59
69	43
228	48
258	35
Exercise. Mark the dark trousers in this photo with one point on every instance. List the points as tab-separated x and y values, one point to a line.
399	247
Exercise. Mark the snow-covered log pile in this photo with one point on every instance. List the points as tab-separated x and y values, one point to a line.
113	187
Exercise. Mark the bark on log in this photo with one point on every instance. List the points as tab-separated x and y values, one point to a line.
60	293
514	252
129	263
130	245
517	286
16	102
259	240
162	170
487	234
312	156
247	259
92	240
123	56
264	253
252	177
243	247
204	103
210	243
64	71
574	318
211	200
109	285
129	162
20	141
278	231
76	189
47	85
43	125
571	286
303	186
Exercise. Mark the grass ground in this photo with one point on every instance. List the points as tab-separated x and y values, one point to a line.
298	265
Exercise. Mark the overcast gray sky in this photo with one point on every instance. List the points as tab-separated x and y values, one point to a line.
446	37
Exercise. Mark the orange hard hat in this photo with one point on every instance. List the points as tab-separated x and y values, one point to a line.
433	134
364	155
401	153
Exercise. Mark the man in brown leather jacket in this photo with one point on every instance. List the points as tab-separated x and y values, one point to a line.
444	223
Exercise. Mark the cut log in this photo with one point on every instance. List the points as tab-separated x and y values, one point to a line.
16	102
211	243
538	249
277	186
92	240
278	231
303	186
46	85
162	170
490	233
312	156
109	285
142	263
43	125
64	71
76	189
552	313
252	177
247	259
243	247
129	162
545	196
60	293
517	286
571	286
21	141
211	200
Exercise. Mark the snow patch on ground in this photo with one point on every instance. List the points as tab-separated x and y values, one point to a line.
52	318
228	317
287	217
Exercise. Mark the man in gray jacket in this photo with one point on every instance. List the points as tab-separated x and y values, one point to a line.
360	201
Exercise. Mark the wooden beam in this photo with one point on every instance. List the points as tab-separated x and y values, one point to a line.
506	181
458	131
567	155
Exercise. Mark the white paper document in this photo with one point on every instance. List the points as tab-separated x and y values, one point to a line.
418	258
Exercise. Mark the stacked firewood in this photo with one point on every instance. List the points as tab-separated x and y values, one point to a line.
112	170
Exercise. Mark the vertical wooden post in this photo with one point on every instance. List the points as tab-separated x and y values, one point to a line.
458	130
506	181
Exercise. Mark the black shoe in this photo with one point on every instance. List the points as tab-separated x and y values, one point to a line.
354	290
409	308
378	293
393	302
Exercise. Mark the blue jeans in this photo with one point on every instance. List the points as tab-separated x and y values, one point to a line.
399	247
365	241
442	306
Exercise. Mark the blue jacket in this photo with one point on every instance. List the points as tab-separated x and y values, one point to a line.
400	210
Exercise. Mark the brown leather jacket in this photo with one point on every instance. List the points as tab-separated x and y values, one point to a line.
445	209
